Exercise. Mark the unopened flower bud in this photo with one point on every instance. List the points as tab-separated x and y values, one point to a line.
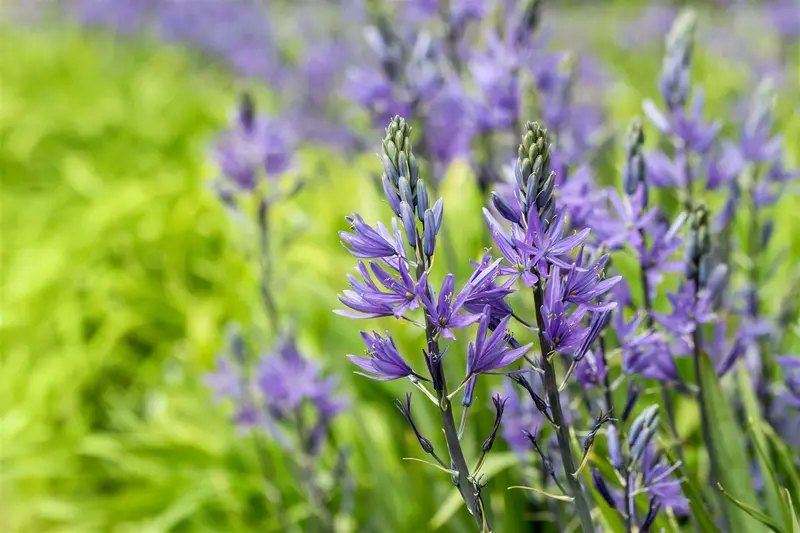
405	408
429	234
409	223
422	199
499	406
391	194
505	209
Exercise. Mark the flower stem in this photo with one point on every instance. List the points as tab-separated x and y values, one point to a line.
648	307
582	501
459	463
697	340
266	263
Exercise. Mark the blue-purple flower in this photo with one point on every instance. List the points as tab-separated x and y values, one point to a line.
368	300
550	245
254	146
368	243
382	362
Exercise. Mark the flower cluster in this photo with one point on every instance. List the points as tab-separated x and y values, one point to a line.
272	395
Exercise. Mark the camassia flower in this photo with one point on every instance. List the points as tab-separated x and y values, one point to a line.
489	355
368	243
550	245
382	361
368	300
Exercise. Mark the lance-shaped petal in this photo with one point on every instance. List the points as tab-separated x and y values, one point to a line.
521	263
383	362
550	245
582	285
368	243
368	300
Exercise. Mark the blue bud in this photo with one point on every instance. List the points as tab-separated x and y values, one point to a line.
505	209
422	199
409	223
645	418
429	234
518	175
633	396
391	195
546	192
548	213
405	191
601	487
438	213
614	452
402	165
414	169
390	171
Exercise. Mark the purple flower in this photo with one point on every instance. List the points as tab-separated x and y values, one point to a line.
623	224
791	370
444	313
368	88
254	146
449	125
661	484
562	330
664	242
644	353
369	301
582	285
724	354
226	381
489	355
550	245
686	313
488	293
694	134
492	71
383	361
285	379
368	243
665	172
591	371
521	263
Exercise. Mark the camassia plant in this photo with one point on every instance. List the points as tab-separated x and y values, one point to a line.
567	378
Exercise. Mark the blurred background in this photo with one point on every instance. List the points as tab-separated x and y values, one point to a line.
125	266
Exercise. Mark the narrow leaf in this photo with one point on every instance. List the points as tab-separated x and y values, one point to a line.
699	512
727	448
772	491
559	497
755	513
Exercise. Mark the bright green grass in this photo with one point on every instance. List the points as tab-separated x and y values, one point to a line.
120	272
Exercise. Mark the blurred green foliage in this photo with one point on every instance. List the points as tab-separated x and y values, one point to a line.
121	270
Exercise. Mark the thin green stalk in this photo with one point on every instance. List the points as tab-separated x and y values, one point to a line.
266	264
582	499
697	339
665	392
754	251
459	462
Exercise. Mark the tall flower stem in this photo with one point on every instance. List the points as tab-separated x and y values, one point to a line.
582	502
626	504
665	392
754	252
266	263
697	340
457	459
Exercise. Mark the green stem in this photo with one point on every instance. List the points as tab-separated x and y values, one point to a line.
697	339
582	501
266	264
665	392
459	463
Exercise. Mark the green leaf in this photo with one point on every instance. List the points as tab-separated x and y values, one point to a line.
794	525
755	513
774	502
699	512
727	449
786	461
